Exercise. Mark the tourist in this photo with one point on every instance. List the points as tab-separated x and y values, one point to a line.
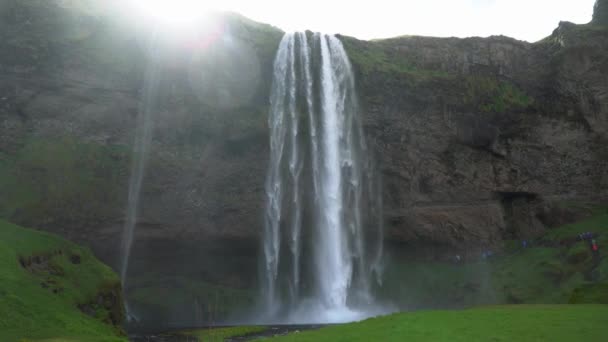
595	253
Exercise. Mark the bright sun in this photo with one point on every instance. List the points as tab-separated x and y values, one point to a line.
175	14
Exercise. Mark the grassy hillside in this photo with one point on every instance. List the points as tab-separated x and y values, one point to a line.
500	323
53	289
558	268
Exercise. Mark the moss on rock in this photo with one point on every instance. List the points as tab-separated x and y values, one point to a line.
63	181
491	95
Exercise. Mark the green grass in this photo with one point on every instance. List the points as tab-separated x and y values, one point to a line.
590	294
499	323
71	276
534	275
494	96
485	94
598	223
379	57
548	272
220	334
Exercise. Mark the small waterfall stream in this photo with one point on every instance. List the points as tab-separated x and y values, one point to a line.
322	194
143	139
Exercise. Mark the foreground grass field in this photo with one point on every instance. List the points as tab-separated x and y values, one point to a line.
496	323
52	290
46	286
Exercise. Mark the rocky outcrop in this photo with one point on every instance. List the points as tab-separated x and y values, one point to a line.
600	12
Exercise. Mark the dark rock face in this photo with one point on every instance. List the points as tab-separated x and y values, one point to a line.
478	139
109	299
70	92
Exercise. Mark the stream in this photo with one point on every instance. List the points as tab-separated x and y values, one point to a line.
270	331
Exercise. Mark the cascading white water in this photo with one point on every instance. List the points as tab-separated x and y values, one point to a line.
322	194
333	256
295	169
143	139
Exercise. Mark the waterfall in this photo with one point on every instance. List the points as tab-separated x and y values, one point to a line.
322	194
143	139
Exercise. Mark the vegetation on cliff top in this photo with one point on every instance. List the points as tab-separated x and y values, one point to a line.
499	323
382	64
377	57
51	288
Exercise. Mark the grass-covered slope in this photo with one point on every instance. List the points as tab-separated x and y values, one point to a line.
53	289
501	323
557	268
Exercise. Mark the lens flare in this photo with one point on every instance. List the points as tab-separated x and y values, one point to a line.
173	14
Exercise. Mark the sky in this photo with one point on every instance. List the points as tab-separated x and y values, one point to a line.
529	20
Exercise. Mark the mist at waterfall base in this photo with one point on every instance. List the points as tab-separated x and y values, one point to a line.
322	242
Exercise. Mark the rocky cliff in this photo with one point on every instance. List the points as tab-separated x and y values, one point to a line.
71	88
600	13
479	140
